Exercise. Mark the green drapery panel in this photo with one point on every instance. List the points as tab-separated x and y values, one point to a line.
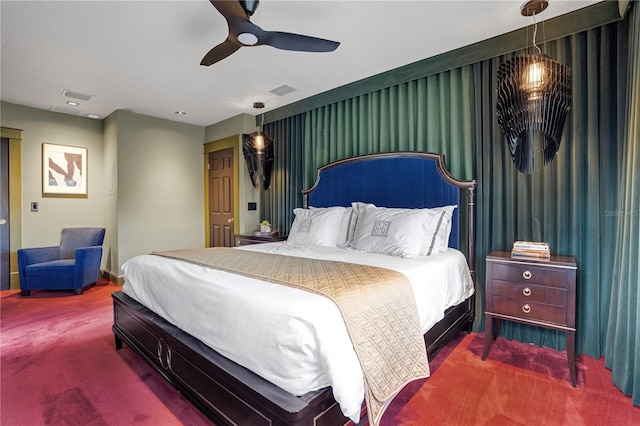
421	115
622	351
284	194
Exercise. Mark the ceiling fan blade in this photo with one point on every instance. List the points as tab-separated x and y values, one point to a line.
219	52
230	9
297	42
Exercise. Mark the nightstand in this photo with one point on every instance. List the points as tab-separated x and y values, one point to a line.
258	238
530	291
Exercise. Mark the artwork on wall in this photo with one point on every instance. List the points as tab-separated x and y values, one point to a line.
64	171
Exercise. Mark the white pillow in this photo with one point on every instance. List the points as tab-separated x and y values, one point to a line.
437	230
347	224
394	232
437	226
317	227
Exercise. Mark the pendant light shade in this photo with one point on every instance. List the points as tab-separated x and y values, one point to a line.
259	161
259	154
534	97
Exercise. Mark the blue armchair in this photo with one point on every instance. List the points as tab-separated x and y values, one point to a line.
73	265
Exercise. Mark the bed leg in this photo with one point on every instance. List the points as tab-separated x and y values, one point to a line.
118	342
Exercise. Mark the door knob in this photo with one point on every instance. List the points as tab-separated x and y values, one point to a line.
229	220
3	221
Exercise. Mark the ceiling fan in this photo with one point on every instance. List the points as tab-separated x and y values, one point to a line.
243	33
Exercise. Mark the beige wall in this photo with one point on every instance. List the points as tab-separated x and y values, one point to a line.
42	228
243	123
110	167
160	188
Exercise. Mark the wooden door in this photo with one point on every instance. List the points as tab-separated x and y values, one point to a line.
221	214
5	280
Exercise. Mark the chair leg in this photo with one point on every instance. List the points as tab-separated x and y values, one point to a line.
25	293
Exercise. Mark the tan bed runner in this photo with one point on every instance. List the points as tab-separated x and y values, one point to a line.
378	307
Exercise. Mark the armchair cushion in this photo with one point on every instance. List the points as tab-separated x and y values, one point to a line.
63	266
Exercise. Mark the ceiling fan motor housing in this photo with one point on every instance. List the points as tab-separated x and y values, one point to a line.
249	6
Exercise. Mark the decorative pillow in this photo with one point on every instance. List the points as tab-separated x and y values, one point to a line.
437	225
394	232
347	224
318	227
437	229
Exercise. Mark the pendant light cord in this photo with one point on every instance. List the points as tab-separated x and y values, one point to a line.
535	31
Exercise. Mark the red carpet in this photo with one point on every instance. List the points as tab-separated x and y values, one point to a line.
518	384
59	366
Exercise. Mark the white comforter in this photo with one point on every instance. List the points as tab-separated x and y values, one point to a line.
295	339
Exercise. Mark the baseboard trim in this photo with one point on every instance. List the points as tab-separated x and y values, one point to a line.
112	278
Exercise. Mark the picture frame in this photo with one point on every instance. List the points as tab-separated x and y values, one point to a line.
64	171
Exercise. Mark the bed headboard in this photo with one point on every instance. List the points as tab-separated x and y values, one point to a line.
397	179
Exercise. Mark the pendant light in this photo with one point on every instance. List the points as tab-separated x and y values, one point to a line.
534	98
258	154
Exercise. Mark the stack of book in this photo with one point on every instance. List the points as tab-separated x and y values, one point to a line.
531	250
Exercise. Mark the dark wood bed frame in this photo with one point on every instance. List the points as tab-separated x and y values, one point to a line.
230	394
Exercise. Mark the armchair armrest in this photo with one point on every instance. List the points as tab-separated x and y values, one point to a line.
29	256
87	265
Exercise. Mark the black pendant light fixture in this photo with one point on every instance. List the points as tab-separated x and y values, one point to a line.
534	97
258	153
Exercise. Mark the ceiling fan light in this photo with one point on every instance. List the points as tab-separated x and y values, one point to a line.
247	39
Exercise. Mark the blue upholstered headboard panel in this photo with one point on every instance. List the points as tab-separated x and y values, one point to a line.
401	179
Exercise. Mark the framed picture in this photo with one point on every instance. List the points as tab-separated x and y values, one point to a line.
64	171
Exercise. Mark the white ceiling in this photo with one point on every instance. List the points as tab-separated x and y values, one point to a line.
144	56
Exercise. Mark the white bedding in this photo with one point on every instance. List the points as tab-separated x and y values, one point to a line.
295	339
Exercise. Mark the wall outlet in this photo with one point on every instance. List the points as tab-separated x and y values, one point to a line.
252	206
34	206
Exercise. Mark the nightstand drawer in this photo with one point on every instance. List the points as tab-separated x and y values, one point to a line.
531	311
258	238
527	293
555	277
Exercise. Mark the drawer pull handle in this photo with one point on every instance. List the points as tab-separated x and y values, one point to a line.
161	345
526	291
526	309
526	275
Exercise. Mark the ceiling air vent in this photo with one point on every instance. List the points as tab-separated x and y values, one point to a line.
64	109
76	95
283	90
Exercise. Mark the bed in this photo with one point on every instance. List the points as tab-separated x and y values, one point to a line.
232	394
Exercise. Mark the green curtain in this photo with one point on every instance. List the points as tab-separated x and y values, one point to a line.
277	203
421	115
622	350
